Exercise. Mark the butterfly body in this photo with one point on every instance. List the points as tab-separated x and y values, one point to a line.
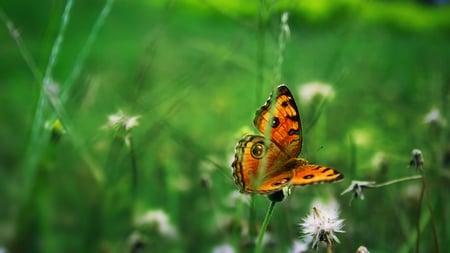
264	165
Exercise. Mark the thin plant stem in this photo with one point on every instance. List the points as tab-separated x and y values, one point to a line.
396	181
37	137
260	48
430	209
329	250
317	113
252	216
134	169
14	32
282	39
57	44
86	49
433	223
357	186
419	212
46	96
263	229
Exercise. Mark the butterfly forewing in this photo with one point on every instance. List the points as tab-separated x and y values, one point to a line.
282	119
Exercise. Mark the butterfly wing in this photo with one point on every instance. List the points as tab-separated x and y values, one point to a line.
255	166
263	172
282	119
267	166
304	173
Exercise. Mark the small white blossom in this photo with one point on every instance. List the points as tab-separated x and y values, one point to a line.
298	247
310	91
322	223
53	89
224	248
362	249
135	242
159	220
434	118
356	187
121	120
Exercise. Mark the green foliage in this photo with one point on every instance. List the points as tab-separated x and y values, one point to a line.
78	175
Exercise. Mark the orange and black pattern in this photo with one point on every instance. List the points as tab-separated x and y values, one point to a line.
265	166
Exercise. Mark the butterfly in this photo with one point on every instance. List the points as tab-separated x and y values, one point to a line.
263	165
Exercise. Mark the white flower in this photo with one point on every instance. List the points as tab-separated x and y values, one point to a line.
159	220
298	247
135	242
362	249
224	248
121	120
434	118
322	223
309	91
356	187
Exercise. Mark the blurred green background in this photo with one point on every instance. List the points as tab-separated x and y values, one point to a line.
195	72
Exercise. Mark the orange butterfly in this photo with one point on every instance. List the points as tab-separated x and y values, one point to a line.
265	166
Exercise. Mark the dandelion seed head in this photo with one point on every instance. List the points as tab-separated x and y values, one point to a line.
322	223
417	159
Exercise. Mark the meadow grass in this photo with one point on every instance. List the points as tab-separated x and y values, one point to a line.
119	122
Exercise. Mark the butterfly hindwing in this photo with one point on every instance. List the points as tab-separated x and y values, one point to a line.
305	173
255	165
